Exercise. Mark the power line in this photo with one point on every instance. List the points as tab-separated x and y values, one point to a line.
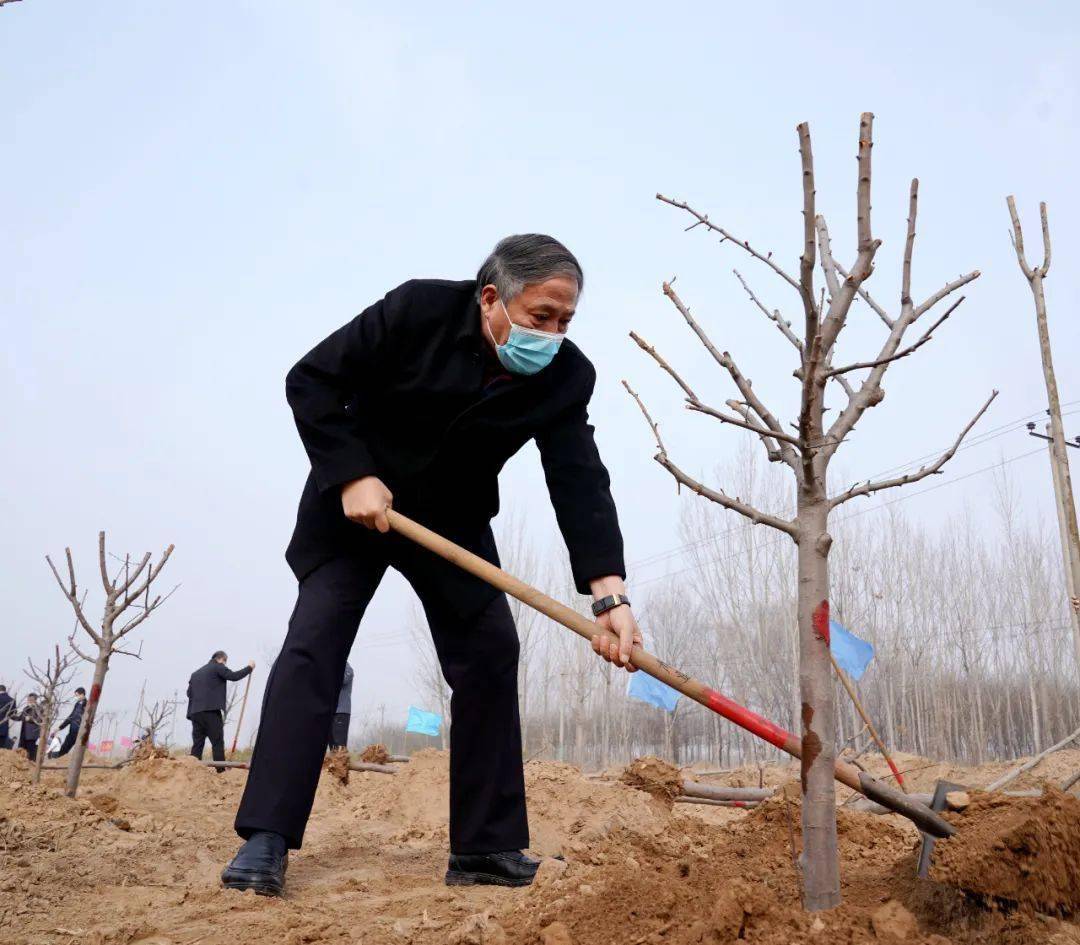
874	508
995	433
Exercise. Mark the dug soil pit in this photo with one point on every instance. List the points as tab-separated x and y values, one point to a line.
1019	849
375	755
655	777
336	764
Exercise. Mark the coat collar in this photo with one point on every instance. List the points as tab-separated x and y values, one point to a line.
470	331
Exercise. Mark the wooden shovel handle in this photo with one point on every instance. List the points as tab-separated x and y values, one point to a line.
692	688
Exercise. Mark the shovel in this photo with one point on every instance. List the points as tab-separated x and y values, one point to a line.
929	821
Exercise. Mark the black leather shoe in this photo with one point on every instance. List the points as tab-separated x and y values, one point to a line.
260	864
512	868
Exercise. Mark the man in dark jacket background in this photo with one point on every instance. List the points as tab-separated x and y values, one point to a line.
30	731
7	713
418	403
72	723
206	704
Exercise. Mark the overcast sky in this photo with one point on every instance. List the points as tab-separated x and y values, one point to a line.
193	195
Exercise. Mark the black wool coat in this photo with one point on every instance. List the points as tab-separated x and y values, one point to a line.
206	687
74	718
31	717
399	393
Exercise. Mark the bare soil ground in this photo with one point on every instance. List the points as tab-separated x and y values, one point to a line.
135	859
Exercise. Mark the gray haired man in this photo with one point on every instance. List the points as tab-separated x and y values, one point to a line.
417	404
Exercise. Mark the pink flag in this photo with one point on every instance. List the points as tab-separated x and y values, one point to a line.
92	748
125	742
107	746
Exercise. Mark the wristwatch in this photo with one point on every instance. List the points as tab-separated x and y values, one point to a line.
610	602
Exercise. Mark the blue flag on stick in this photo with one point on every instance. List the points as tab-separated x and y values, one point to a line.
852	654
642	686
426	723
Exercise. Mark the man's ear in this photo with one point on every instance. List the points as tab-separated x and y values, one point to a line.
489	295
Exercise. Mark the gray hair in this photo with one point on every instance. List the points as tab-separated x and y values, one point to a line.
518	261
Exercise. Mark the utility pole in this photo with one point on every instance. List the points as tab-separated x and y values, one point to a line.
1059	459
1059	495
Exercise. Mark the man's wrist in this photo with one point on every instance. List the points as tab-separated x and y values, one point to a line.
603	586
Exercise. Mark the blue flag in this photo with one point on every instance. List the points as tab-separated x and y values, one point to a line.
642	686
426	723
852	654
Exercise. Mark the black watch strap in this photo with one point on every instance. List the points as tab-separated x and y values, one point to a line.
610	602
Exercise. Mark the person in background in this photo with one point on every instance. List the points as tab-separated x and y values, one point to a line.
206	704
339	727
7	713
31	718
72	723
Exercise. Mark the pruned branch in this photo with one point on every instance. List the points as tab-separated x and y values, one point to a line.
724	359
910	349
75	647
71	593
746	424
648	418
866	144
943	292
703	219
828	264
868	299
909	243
694	403
658	358
147	610
734	504
1046	238
773	316
772	448
807	260
109	585
1017	237
131	596
720	498
867	488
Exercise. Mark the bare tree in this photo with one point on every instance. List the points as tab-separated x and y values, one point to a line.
157	717
427	674
232	700
808	450
50	680
127	604
1070	536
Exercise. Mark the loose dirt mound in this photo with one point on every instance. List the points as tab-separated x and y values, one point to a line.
336	764
135	861
655	777
1022	849
375	754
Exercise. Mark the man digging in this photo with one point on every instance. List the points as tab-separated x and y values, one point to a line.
417	404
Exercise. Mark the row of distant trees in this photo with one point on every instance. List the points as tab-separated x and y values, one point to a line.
973	655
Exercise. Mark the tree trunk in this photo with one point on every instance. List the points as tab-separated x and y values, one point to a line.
101	667
821	871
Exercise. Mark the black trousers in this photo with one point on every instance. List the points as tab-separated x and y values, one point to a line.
68	743
339	731
478	653
206	725
30	744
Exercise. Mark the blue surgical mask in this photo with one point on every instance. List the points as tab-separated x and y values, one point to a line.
526	350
